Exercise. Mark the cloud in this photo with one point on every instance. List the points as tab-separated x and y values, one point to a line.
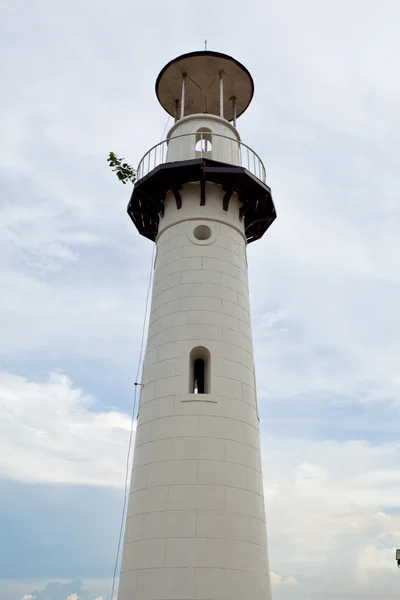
333	512
60	590
333	507
325	285
375	562
48	255
51	432
56	590
278	580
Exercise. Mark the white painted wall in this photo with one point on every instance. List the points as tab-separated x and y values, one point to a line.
196	521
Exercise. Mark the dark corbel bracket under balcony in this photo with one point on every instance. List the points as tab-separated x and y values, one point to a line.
146	205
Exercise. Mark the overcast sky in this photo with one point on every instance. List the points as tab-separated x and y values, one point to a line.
78	81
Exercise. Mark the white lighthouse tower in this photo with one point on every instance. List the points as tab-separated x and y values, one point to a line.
195	526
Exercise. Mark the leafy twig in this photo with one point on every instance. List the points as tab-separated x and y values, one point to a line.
124	171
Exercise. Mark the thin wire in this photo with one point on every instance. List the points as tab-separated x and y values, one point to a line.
132	426
165	128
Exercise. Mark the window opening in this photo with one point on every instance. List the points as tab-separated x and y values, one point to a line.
199	374
203	141
203	145
202	232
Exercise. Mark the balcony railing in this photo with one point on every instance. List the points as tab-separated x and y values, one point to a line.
206	144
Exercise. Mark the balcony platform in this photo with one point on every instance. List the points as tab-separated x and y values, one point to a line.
146	205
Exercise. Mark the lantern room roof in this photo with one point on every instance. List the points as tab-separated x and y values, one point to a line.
202	94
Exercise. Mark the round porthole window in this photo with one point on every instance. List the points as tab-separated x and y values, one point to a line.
202	232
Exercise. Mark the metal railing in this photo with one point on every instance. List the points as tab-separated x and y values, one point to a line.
203	144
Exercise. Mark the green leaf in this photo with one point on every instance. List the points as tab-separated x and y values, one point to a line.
123	170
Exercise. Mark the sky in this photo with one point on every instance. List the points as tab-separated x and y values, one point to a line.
78	82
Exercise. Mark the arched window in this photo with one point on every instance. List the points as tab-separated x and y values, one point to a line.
199	371
203	142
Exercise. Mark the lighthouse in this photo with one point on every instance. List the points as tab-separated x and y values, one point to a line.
195	527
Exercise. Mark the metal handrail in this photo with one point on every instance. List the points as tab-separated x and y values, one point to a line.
241	154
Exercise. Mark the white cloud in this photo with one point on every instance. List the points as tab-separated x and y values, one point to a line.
56	299
278	580
72	597
375	562
90	589
333	508
330	515
328	258
290	581
51	432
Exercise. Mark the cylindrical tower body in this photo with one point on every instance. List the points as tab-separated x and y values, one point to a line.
195	526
